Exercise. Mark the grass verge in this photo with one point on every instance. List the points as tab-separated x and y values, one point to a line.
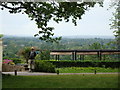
86	70
61	81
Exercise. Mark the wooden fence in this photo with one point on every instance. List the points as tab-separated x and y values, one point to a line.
74	53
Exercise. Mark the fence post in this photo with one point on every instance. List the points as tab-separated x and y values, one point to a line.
100	55
15	72
56	57
83	57
95	72
75	56
57	72
72	55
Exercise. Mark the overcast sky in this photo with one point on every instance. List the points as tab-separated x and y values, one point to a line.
94	22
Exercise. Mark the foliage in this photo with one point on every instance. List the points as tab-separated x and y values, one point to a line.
96	45
6	61
43	55
25	53
42	66
69	63
101	81
115	24
43	12
86	69
14	44
15	60
1	35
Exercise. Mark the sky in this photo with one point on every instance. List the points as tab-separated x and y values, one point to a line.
94	22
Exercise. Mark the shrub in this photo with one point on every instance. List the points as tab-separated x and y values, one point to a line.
69	63
43	66
25	53
7	61
43	55
15	60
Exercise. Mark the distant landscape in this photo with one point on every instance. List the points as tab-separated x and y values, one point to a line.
90	36
73	36
13	44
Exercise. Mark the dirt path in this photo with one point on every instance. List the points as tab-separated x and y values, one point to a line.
41	73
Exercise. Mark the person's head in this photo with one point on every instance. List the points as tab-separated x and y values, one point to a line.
32	48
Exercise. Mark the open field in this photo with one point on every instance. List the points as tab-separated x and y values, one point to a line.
62	81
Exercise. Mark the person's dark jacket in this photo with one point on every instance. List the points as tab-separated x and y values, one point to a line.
32	55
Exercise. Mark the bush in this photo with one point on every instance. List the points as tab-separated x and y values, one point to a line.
25	53
43	66
44	55
69	63
15	60
7	61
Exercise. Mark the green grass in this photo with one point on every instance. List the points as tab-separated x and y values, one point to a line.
85	69
62	81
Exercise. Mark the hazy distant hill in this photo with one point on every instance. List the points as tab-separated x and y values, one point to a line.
80	36
90	36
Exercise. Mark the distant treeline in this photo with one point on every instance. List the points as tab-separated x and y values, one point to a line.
12	45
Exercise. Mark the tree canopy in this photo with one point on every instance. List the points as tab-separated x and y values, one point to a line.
115	24
1	35
43	12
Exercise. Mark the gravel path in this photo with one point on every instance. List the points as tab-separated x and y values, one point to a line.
41	73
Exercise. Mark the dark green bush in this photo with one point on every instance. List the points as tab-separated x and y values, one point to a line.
69	63
16	60
43	66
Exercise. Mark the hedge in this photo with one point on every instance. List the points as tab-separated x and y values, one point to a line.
43	66
59	64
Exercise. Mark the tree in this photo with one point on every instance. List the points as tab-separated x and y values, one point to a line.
116	22
25	53
43	12
1	35
96	45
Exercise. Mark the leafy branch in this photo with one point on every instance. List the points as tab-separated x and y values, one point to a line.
43	12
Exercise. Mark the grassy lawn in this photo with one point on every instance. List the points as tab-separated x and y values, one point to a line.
85	69
61	81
